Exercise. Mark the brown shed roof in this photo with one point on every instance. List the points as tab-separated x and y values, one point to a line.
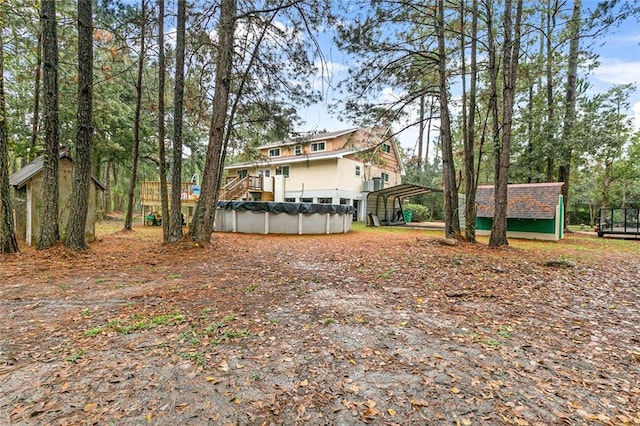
524	201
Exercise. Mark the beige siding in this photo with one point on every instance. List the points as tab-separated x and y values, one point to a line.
314	176
346	174
65	181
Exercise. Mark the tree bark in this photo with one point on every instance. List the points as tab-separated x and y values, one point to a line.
564	170
550	124
175	217
36	101
204	216
470	131
84	137
162	157
135	151
510	53
49	227
451	214
107	188
8	242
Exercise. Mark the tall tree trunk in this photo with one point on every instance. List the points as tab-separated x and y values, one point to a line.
36	100
202	225
135	151
8	242
162	157
431	111
451	214
421	133
550	124
493	86
84	138
510	53
107	188
470	132
49	228
175	219
564	171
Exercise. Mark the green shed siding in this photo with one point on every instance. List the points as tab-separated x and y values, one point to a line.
546	226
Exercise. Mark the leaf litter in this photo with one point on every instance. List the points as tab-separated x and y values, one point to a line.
368	327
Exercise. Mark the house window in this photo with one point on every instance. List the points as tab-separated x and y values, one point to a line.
298	150
306	200
317	146
242	173
264	172
384	176
386	148
345	201
357	170
274	152
289	199
325	200
282	170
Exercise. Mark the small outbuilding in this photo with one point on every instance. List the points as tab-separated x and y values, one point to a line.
534	210
27	200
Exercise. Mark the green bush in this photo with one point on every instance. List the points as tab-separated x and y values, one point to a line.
419	212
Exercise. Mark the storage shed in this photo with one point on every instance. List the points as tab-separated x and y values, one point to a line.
27	201
534	210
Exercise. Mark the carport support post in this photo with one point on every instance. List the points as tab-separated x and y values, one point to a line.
266	222
328	222
300	223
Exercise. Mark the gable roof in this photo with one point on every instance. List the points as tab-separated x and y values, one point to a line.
28	172
524	201
25	174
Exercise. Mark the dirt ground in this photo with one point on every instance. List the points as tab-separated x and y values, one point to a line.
375	326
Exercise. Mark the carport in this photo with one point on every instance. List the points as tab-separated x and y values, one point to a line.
384	206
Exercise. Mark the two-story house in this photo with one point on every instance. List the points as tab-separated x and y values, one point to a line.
339	167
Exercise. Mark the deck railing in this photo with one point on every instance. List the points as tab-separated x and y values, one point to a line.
234	188
150	192
237	186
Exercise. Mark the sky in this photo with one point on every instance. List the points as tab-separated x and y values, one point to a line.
619	56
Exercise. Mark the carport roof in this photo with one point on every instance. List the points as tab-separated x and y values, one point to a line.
403	190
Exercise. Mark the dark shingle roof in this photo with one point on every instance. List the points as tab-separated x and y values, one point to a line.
22	176
524	201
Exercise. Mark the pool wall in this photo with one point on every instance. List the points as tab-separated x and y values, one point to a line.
256	217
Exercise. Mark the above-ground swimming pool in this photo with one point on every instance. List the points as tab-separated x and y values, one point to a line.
260	217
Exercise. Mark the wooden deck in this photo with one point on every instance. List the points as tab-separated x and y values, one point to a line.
235	189
150	193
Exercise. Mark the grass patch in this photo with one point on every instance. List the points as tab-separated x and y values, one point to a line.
234	334
136	323
195	356
505	331
75	356
229	318
388	274
92	332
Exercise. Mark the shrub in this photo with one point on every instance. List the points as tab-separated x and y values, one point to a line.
419	212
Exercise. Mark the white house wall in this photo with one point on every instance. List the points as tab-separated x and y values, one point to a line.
318	175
